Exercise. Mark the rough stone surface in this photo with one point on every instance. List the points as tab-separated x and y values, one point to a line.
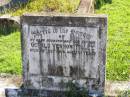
86	6
10	18
33	93
10	4
9	24
112	89
57	49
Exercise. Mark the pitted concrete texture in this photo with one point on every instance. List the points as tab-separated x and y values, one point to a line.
112	89
59	49
10	18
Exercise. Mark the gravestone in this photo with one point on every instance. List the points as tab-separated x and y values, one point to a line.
57	49
5	5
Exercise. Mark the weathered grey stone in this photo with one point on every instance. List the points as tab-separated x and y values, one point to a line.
9	24
57	49
10	18
46	93
63	48
33	93
10	4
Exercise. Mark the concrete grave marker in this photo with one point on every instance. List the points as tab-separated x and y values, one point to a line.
63	47
58	48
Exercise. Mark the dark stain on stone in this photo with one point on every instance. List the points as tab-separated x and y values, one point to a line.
89	75
48	82
104	56
58	52
40	61
51	70
62	84
58	19
60	70
73	70
76	71
55	70
103	21
27	72
28	84
98	81
100	32
95	86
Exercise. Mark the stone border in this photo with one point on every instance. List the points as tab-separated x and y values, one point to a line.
11	4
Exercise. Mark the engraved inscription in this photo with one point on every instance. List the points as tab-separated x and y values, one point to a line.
63	51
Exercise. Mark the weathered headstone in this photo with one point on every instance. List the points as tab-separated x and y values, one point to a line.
57	49
11	4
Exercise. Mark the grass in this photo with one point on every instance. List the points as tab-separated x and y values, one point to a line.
100	3
118	48
10	53
125	94
47	5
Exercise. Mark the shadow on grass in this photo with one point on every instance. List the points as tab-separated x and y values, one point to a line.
99	3
8	26
125	94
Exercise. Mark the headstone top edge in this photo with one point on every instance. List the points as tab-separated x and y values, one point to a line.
65	15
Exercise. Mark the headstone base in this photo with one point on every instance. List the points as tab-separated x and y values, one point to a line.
33	93
42	93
